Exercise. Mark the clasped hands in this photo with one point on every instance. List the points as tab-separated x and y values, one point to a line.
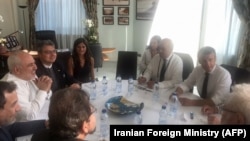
143	80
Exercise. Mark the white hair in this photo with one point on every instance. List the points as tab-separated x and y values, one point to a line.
239	100
14	60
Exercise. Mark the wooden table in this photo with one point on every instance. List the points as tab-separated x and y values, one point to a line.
105	51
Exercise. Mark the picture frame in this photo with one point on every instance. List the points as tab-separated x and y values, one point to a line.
108	20
123	11
123	20
108	11
116	2
145	9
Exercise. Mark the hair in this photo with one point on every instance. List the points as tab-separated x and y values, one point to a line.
87	55
239	100
205	51
157	38
68	110
5	87
42	43
14	59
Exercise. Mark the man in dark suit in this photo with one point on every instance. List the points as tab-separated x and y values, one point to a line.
9	129
47	65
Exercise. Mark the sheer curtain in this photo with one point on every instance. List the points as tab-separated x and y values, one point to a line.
66	17
196	23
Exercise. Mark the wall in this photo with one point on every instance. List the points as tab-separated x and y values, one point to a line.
132	37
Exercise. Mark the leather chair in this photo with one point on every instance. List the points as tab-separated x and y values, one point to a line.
188	64
127	64
47	35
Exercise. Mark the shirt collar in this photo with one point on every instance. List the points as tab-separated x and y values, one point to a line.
47	66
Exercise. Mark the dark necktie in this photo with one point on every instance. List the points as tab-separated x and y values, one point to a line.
163	69
204	87
53	77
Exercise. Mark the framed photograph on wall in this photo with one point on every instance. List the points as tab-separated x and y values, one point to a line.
108	11
123	20
145	9
115	2
108	20
123	11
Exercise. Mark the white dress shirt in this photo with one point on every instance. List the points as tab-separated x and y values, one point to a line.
173	74
30	98
146	58
219	83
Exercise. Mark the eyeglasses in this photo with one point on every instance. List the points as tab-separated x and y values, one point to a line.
49	51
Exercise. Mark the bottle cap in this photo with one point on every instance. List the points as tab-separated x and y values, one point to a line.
163	107
104	110
138	112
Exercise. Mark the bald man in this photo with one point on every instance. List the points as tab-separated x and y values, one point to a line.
165	67
31	91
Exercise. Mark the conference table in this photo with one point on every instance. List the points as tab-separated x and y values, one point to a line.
150	111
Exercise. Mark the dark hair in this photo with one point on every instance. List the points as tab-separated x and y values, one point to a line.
87	55
68	110
205	51
5	87
157	38
42	43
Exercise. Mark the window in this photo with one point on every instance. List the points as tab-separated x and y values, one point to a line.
66	17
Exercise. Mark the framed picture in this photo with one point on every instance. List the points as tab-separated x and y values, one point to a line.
108	11
123	11
123	20
115	2
108	20
145	9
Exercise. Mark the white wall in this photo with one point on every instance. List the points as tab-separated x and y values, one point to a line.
132	37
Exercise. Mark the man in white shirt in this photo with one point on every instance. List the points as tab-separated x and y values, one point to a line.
31	91
165	67
215	89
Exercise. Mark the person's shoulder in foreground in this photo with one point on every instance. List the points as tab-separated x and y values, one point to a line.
76	125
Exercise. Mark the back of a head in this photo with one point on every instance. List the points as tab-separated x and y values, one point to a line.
5	87
205	51
68	110
239	100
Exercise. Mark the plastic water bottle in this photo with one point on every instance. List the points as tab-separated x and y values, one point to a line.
104	125
173	107
130	86
104	86
118	84
138	118
163	115
156	93
92	90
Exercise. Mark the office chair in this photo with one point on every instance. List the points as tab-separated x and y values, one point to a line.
188	64
127	64
47	35
96	51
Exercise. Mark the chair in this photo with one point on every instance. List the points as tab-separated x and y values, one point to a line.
238	75
127	64
188	64
47	35
96	51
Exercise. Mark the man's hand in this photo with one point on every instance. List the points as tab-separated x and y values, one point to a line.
141	80
43	83
207	110
186	101
150	84
179	91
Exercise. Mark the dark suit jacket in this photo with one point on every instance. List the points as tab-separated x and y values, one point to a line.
62	78
18	129
46	135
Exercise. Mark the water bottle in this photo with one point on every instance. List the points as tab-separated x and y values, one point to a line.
130	86
173	107
138	118
104	125
104	86
163	115
92	90
118	84
156	93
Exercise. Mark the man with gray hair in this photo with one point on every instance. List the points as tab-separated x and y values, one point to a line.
213	82
31	91
165	67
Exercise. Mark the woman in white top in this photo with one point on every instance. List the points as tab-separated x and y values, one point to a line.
149	53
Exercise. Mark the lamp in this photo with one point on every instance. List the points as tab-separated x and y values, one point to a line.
23	4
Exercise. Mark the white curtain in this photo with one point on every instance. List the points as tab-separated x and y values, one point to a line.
66	17
192	24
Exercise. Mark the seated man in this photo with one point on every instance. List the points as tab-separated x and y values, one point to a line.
235	110
165	67
9	129
213	82
79	121
46	65
31	91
